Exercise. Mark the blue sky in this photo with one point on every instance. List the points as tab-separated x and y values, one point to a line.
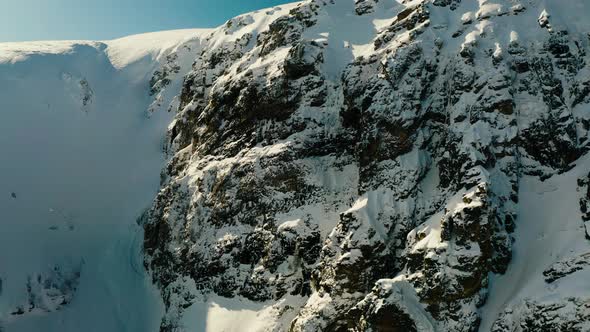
106	19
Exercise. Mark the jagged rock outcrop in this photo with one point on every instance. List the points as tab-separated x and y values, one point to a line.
51	290
584	186
569	315
380	181
567	267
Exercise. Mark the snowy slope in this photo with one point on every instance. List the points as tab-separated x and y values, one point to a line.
81	156
363	165
549	231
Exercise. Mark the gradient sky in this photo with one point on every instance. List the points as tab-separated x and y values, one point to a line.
22	20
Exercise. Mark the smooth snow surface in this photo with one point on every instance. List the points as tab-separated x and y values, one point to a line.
127	50
219	314
81	157
549	229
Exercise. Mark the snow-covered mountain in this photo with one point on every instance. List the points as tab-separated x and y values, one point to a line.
327	166
81	144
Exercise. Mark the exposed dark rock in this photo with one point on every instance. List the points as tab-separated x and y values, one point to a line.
566	267
570	315
386	194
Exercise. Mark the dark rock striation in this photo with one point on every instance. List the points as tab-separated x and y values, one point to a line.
386	194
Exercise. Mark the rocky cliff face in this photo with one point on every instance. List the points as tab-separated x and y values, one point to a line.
358	164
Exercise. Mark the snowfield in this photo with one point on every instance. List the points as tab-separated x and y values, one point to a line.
549	231
81	157
414	149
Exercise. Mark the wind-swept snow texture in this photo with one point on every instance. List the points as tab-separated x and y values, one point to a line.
81	136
